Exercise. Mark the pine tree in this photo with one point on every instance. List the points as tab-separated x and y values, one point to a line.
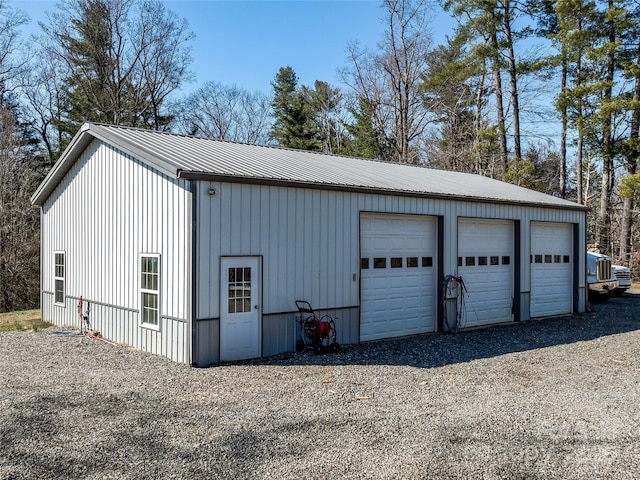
293	126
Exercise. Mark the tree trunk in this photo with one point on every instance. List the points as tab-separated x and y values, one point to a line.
582	197
603	236
497	78
513	74
631	168
579	161
563	134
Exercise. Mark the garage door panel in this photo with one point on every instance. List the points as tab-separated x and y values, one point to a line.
485	249
551	269
397	301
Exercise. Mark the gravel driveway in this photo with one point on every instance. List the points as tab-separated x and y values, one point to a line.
556	398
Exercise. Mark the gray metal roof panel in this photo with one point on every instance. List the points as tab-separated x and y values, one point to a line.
177	153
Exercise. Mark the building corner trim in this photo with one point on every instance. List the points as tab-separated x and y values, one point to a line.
193	187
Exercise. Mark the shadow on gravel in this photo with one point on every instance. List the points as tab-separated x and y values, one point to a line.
618	315
42	440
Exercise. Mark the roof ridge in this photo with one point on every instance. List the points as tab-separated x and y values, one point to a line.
273	147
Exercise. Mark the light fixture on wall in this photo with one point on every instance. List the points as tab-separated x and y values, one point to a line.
211	192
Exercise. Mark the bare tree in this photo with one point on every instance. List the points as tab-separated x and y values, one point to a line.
164	64
19	221
227	113
13	57
43	97
390	80
122	60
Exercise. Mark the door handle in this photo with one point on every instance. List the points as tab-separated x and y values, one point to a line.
256	307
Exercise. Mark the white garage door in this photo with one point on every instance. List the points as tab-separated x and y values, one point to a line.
485	263
398	275
551	268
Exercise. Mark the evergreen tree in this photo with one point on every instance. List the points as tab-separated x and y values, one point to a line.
293	125
121	61
454	88
307	118
368	140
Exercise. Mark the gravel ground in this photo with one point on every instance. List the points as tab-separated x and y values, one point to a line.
557	398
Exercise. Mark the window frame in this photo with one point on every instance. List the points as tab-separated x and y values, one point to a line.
59	278
145	290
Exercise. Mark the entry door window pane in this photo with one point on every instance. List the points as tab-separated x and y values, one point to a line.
239	290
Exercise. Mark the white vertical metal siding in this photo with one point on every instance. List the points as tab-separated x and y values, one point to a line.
108	209
309	239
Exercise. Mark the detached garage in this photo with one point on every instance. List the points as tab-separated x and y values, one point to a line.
197	249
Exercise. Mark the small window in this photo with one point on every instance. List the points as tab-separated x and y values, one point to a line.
364	263
469	261
427	261
538	258
495	260
380	262
547	259
459	261
557	259
412	262
482	260
150	289
59	278
506	260
566	259
396	262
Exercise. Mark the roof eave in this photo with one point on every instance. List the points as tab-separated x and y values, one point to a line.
213	177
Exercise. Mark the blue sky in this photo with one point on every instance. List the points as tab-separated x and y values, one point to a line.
245	42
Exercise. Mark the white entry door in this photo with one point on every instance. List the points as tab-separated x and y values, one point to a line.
240	309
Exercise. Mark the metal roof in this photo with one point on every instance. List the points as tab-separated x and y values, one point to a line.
197	158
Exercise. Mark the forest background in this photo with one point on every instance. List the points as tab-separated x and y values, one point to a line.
466	103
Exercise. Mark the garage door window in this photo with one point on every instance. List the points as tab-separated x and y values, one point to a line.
412	262
550	258
380	262
396	262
